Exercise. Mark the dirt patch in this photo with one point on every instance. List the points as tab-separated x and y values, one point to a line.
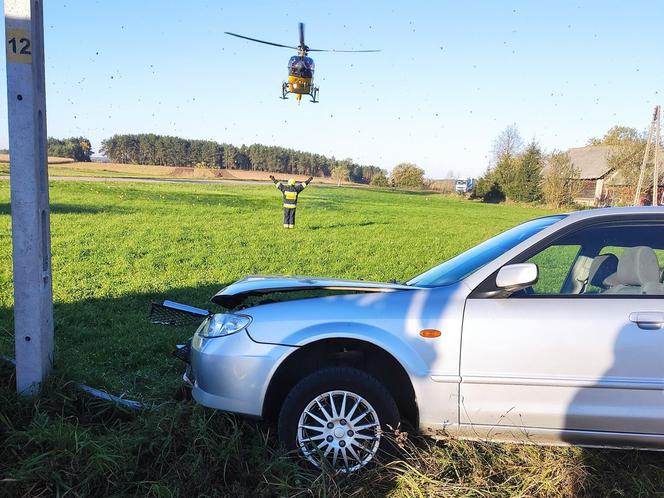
182	172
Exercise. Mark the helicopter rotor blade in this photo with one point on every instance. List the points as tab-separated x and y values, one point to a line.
260	41
302	34
333	50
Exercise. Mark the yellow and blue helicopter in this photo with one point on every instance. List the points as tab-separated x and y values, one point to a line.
300	67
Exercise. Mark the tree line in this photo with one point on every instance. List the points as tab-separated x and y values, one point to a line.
160	150
77	148
164	150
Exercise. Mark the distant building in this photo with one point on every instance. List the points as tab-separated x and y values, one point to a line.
600	183
592	163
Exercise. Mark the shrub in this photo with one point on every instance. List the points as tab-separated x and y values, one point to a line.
408	175
380	180
560	183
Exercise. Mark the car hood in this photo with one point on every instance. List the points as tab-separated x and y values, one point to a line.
237	293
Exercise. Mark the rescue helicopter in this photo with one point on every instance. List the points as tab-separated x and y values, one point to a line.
300	67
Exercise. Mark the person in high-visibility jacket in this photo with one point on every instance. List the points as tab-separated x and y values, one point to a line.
290	191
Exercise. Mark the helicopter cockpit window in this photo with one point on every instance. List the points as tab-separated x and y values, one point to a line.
302	67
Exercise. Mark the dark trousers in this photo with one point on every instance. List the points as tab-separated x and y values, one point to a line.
289	217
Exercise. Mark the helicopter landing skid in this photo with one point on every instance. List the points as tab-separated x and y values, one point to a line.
313	93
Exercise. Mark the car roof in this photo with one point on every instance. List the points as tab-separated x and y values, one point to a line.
615	211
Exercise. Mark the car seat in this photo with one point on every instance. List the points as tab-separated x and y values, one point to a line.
638	273
602	271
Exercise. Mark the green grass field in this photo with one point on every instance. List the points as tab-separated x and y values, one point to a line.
118	247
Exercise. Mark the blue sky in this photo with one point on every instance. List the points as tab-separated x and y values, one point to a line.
450	77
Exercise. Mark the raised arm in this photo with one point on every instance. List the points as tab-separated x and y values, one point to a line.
302	185
276	183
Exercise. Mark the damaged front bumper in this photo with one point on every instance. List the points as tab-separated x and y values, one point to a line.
187	378
232	373
227	371
183	352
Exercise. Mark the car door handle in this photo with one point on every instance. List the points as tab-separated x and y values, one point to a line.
648	320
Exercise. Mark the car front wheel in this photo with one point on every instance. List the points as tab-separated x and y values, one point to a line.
340	416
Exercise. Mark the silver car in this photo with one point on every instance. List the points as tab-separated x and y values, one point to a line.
551	332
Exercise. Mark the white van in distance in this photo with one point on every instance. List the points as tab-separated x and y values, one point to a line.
464	185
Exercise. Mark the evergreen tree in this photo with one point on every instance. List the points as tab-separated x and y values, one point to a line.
487	188
526	181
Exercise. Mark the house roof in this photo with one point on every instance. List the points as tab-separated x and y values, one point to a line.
592	162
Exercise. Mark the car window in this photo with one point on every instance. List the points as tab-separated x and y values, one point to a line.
554	264
614	259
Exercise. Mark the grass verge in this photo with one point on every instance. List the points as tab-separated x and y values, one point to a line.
65	443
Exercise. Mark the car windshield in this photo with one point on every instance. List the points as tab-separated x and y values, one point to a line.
466	263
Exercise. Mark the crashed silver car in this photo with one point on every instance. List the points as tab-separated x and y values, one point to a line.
550	332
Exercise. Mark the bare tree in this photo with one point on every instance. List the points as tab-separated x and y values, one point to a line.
508	144
340	174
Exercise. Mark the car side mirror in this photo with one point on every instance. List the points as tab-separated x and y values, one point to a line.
513	278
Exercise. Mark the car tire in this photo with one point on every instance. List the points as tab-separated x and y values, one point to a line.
322	418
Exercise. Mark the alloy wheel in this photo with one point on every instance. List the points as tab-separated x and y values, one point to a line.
339	427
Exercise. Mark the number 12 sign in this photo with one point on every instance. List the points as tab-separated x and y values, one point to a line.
19	48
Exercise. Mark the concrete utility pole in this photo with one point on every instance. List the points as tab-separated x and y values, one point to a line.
31	235
652	140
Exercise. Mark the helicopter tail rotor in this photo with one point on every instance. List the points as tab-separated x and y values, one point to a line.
302	45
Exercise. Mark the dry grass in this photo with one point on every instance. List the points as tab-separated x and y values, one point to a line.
64	443
4	158
59	166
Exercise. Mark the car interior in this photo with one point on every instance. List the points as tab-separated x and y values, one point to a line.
636	271
615	260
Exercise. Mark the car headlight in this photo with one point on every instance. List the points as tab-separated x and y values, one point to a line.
221	324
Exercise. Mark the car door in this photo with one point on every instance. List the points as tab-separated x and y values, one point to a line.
577	351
